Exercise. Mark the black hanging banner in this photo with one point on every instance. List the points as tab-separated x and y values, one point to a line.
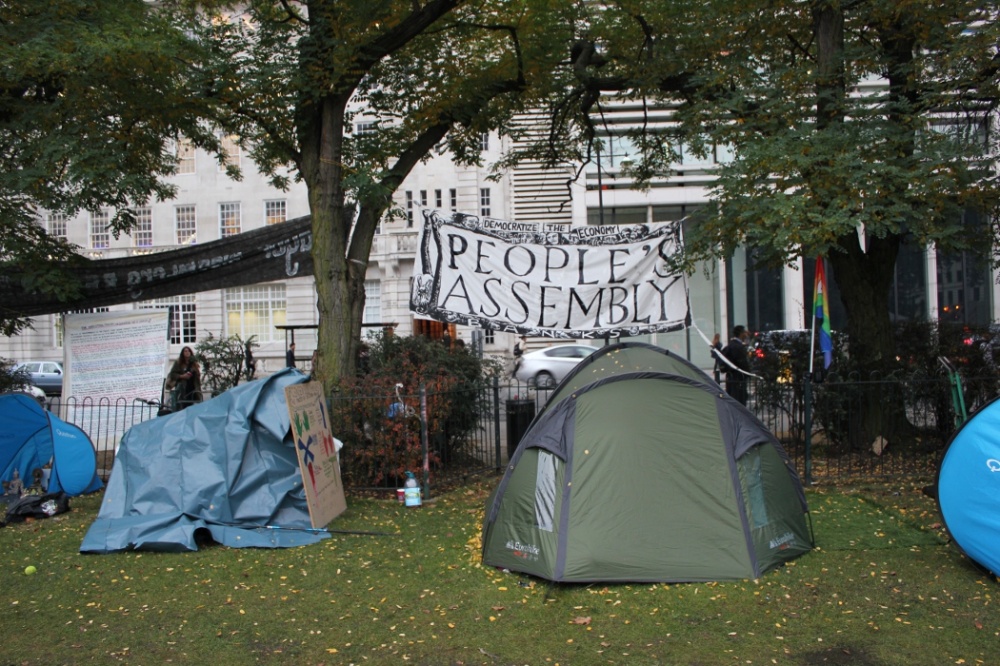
274	252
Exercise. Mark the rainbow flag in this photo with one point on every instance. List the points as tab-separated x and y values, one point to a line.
821	310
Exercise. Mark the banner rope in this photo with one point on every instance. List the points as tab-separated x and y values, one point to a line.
717	353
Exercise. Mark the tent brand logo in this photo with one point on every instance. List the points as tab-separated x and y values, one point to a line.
993	464
526	551
782	542
65	433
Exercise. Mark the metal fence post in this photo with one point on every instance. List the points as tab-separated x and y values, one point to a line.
807	427
496	419
423	441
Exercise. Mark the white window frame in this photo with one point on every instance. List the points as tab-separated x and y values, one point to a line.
373	302
230	219
142	231
57	224
100	237
275	211
185	153
256	310
185	224
409	208
231	149
453	198
438	199
484	202
183	317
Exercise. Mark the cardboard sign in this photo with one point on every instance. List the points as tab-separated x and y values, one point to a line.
317	452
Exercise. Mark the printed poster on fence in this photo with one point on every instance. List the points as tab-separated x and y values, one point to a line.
110	355
549	280
317	452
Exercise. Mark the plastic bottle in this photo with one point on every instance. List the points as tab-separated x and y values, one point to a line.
411	491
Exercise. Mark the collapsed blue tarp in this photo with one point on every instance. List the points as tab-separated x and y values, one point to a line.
31	437
968	487
227	465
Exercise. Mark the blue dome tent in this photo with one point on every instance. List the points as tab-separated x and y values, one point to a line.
31	437
968	487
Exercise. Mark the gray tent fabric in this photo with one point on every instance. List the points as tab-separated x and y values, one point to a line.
636	474
226	466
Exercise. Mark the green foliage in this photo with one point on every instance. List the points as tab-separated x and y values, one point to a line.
840	116
92	93
383	441
222	360
10	379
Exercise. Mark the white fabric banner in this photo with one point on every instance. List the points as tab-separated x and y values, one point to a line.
549	279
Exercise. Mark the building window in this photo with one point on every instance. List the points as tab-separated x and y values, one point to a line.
453	196
142	230
256	311
489	336
365	127
438	200
185	156
373	302
231	150
409	208
186	224
423	198
484	141
275	211
484	202
229	219
55	224
183	323
100	237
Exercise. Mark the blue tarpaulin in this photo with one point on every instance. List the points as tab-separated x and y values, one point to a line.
226	467
31	437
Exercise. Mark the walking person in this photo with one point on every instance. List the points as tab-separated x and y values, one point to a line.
290	356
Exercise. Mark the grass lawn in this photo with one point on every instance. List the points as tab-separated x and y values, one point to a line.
883	587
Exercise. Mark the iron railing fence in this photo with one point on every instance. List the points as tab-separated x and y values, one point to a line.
872	428
868	428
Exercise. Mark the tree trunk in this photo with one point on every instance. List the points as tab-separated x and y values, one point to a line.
322	139
865	279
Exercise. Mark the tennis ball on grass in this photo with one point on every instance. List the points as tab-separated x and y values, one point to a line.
28	570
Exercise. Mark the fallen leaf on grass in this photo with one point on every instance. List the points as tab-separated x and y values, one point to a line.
580	620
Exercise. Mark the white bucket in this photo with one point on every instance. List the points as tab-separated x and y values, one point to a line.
411	496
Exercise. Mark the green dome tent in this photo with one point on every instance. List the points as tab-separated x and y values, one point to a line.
642	475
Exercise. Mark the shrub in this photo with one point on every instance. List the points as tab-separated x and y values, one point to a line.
11	379
222	361
382	441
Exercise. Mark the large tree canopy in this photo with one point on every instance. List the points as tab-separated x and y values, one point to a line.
91	93
856	126
293	77
871	115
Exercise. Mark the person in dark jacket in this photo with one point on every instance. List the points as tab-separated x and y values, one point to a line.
738	367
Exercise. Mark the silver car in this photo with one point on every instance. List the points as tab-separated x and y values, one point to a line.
546	367
46	375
